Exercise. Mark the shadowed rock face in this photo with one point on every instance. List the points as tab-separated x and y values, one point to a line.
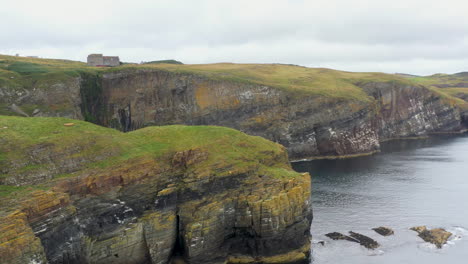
308	125
181	204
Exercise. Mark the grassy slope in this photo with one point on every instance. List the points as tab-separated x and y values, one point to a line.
30	73
224	145
320	81
20	71
295	79
457	84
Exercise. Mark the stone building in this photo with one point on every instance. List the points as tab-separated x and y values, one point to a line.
103	61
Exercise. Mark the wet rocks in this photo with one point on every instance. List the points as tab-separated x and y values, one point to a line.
365	240
339	236
436	236
384	231
355	237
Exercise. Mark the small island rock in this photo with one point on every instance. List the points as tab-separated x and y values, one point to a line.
384	231
365	240
436	236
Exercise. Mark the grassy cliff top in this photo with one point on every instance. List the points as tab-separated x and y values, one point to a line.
35	72
28	72
32	146
320	81
454	86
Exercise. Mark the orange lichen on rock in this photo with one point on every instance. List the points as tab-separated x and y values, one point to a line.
17	241
41	203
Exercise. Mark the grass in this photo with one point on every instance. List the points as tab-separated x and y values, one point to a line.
40	73
295	79
452	87
164	62
225	147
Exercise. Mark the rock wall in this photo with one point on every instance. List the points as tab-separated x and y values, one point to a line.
61	98
308	125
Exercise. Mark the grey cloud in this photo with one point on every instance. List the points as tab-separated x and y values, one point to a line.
355	35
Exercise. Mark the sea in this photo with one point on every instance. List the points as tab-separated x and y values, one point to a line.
409	183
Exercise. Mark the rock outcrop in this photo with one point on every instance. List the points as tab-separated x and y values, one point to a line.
88	194
363	240
384	231
436	236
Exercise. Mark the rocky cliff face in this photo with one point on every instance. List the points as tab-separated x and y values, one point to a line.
309	125
61	98
315	113
201	194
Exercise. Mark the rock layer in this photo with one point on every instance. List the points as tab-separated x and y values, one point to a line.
232	198
309	125
315	113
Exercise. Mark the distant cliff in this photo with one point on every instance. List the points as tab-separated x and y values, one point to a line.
309	124
86	194
315	113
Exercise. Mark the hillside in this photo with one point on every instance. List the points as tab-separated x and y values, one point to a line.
455	85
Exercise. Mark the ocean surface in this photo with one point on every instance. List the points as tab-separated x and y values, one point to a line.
410	183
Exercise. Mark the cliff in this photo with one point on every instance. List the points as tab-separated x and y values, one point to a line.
87	194
330	114
313	112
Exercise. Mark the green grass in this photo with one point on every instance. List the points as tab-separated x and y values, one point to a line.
40	73
164	62
295	79
448	86
223	145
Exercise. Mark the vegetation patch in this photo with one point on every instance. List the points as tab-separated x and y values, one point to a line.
226	151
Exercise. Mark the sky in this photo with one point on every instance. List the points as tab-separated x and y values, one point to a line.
406	36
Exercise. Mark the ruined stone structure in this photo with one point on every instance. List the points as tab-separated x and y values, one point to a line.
103	61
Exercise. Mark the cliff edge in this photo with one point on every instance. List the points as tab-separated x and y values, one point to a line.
313	112
74	192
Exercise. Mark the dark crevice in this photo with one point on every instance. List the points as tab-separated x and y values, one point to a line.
92	101
178	252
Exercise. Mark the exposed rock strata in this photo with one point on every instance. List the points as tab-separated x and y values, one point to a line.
308	125
245	206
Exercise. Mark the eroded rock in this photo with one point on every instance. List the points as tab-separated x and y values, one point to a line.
340	236
384	231
355	237
436	236
365	240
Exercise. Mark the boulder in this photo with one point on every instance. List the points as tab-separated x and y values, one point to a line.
365	240
355	237
384	231
436	236
339	236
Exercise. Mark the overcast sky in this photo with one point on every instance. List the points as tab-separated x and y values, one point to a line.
411	36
